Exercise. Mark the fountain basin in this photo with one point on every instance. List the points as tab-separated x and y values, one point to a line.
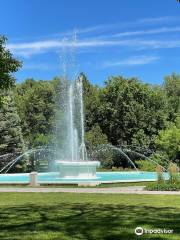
102	177
78	169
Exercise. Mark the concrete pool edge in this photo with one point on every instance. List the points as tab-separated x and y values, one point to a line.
47	178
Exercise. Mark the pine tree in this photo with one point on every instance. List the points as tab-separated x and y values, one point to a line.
11	139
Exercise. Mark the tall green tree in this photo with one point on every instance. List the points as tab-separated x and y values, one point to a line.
172	88
94	139
11	139
8	65
168	140
35	104
132	112
91	103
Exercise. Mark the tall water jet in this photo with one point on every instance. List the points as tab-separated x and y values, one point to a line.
72	156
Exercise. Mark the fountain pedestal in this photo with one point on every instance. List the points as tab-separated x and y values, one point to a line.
78	169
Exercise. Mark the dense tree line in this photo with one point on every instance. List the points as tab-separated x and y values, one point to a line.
125	111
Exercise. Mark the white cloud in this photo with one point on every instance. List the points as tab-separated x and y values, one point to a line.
158	19
146	32
27	49
132	61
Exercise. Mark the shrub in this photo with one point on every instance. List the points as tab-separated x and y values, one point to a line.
145	165
160	158
173	173
173	184
160	177
164	186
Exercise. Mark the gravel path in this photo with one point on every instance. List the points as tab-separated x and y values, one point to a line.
113	190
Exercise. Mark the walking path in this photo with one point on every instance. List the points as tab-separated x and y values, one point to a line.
112	190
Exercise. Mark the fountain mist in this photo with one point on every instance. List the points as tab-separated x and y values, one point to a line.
70	144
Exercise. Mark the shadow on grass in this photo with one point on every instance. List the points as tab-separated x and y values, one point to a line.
85	221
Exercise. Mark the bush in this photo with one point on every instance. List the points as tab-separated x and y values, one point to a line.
168	140
95	138
161	158
160	177
173	173
145	165
163	186
173	184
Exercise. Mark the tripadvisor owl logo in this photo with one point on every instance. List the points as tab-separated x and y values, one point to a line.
138	231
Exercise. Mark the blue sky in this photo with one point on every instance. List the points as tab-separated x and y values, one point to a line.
113	37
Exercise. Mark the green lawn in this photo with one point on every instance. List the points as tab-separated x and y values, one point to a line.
65	216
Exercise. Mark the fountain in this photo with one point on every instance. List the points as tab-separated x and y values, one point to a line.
73	162
69	151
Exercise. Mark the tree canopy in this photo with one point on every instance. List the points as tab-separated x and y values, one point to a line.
8	65
132	112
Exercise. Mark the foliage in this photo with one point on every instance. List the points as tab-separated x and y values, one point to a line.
173	174
11	139
172	184
131	111
168	140
172	89
35	103
160	158
163	186
95	138
42	140
8	65
160	177
91	103
145	165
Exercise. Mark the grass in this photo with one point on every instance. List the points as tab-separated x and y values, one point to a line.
69	216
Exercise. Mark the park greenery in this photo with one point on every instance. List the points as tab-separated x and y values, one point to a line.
172	184
122	112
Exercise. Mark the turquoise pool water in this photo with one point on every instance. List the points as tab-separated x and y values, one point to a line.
104	177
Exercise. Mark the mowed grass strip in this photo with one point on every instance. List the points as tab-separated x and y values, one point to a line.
65	216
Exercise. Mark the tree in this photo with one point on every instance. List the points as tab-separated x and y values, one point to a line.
91	103
11	139
94	139
8	65
172	89
131	111
168	140
35	103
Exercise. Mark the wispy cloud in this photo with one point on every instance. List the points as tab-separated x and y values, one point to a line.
144	21
132	61
147	32
112	39
157	19
45	46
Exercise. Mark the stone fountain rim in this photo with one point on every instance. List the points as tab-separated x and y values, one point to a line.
78	163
